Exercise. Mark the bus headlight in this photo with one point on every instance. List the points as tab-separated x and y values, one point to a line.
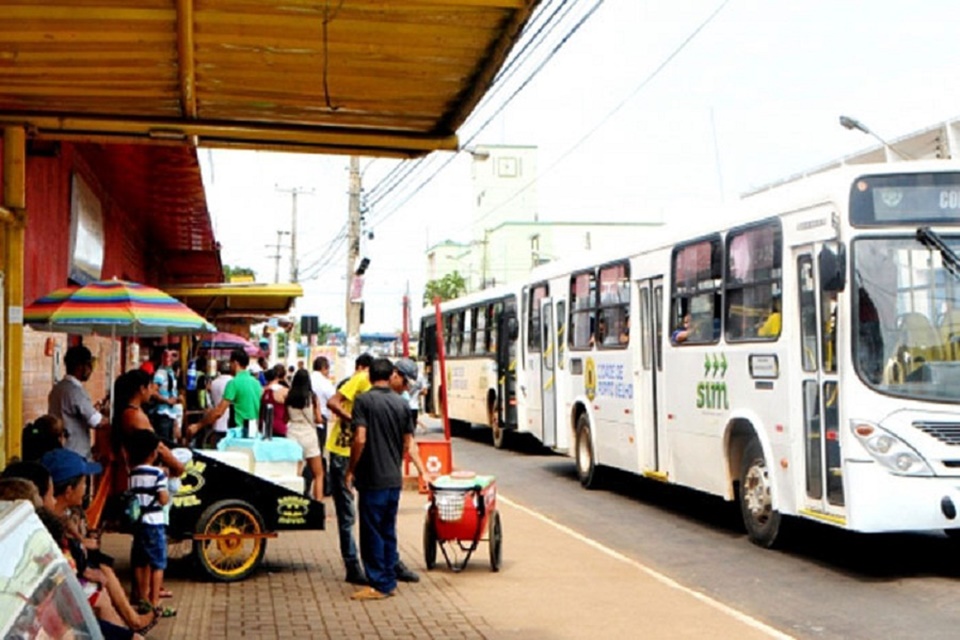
889	450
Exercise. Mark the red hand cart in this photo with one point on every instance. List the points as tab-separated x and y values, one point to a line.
462	508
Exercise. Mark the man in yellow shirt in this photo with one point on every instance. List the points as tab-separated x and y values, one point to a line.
339	442
771	325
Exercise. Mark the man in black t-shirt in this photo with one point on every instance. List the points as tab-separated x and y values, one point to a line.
382	433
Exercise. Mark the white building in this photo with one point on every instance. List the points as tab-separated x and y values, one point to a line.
508	236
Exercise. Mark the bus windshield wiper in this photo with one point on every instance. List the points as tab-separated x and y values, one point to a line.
932	239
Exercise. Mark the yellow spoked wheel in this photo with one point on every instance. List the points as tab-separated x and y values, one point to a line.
230	557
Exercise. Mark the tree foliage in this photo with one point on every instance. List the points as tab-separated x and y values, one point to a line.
325	330
448	287
229	272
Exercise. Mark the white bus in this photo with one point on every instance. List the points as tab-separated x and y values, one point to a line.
480	344
805	363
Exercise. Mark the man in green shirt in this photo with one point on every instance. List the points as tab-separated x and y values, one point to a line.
243	393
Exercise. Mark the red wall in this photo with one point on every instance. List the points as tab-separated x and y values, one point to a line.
46	259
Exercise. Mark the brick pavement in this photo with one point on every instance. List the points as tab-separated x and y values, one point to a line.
299	592
553	585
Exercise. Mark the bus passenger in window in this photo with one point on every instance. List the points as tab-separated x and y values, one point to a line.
601	333
770	328
681	334
625	331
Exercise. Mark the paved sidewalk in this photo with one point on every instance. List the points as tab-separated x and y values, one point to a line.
553	585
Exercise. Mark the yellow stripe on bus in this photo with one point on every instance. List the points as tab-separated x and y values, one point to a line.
826	517
548	383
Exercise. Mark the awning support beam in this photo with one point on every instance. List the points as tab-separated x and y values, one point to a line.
251	135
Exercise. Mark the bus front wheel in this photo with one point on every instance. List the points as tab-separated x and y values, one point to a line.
586	461
756	498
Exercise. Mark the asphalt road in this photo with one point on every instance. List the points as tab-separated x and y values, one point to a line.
821	583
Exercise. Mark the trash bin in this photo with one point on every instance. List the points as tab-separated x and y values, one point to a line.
437	457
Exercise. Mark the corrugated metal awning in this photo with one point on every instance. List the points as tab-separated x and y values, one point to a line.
382	77
255	301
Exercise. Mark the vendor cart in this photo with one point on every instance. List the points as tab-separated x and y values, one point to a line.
229	508
462	512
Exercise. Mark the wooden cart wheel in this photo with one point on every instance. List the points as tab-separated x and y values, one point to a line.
230	559
495	539
429	542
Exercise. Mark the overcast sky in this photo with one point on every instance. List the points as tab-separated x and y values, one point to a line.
754	97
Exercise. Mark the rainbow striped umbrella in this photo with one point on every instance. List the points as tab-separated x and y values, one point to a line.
115	308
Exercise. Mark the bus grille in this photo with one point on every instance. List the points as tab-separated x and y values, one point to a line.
948	432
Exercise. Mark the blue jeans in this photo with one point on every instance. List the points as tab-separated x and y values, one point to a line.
378	536
343	503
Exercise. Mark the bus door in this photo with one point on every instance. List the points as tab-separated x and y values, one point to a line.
648	375
428	353
820	388
548	371
506	353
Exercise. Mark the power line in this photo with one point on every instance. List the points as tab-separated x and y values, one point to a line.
643	83
402	170
556	48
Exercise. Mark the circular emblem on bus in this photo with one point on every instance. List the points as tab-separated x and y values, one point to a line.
891	197
590	379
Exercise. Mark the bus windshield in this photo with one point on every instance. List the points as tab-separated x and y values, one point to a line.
907	316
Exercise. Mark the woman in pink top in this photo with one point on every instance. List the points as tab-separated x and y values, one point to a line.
274	395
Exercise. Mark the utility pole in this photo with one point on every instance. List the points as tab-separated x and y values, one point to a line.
294	263
276	256
353	253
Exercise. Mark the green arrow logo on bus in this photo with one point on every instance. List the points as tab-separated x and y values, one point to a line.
712	365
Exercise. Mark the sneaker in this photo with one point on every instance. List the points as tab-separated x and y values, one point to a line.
369	593
355	575
404	574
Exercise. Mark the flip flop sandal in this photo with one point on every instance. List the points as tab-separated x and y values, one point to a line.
144	607
150	625
165	612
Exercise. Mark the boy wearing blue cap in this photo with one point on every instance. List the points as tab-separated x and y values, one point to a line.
69	470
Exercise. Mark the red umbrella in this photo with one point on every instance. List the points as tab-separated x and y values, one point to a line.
224	341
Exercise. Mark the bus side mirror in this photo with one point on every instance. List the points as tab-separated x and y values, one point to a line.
833	267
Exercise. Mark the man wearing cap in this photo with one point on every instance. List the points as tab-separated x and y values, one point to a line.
70	402
382	433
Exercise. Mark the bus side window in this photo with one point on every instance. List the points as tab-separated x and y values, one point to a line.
753	282
583	310
697	292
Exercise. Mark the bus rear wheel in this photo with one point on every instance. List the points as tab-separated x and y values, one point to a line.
761	520
586	461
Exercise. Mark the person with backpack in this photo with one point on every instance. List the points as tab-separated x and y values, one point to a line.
148	553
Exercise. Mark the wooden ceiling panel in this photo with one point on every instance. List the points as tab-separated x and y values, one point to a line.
382	77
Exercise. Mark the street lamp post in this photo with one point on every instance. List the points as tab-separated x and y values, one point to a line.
852	123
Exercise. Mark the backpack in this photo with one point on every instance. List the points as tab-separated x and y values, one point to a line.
130	509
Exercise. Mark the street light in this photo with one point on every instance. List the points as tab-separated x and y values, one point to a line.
852	123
